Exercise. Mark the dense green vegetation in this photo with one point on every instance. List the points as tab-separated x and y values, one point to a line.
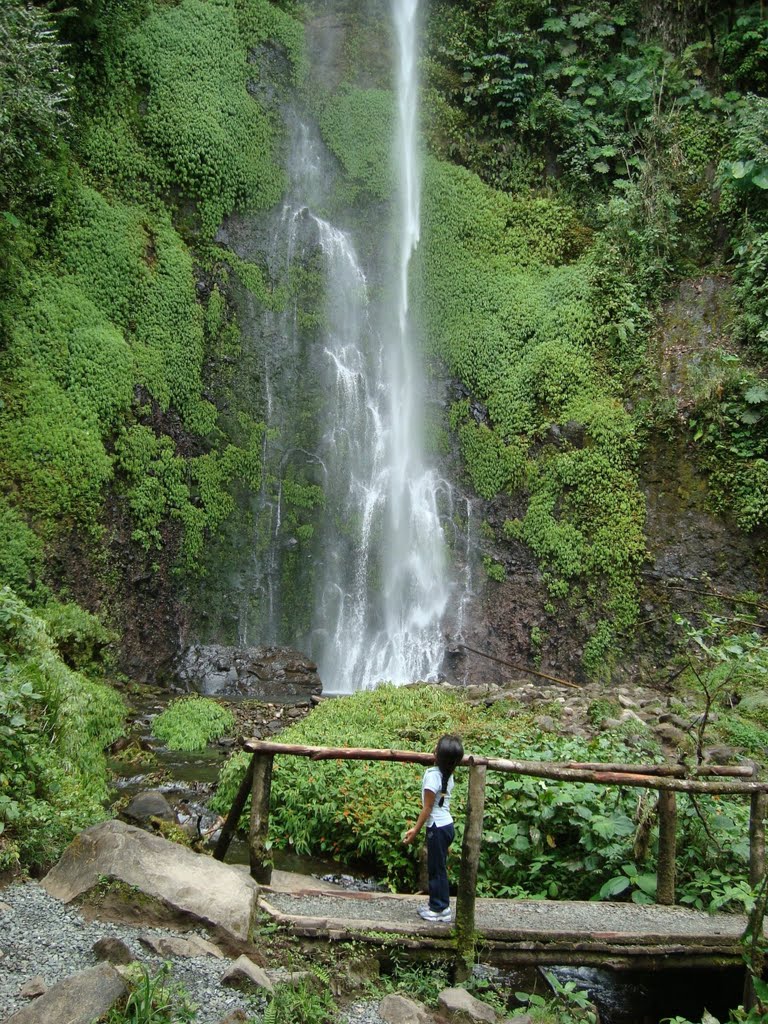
190	723
106	336
604	160
54	724
540	839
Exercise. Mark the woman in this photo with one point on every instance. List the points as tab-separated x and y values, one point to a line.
436	787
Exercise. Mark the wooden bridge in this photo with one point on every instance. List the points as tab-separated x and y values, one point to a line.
518	931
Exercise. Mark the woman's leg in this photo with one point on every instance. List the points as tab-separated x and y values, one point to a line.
438	841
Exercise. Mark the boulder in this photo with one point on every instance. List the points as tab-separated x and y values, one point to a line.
113	950
192	884
397	1009
149	804
462	1008
244	973
276	675
80	999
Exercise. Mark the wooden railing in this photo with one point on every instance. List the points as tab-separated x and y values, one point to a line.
667	779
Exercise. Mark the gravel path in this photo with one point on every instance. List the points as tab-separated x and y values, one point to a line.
543	918
41	936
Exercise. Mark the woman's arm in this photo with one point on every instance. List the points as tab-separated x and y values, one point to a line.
428	802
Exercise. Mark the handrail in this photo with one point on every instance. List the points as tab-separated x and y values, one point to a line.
668	779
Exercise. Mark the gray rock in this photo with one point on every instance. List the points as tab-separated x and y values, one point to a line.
625	701
34	987
113	950
668	734
677	720
83	998
244	973
546	723
270	674
193	884
149	804
181	946
462	1008
397	1009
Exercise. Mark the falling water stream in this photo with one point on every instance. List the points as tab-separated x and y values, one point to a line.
375	564
379	618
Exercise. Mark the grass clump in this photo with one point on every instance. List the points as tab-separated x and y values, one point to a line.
190	723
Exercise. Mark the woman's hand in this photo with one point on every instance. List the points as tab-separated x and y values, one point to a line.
410	835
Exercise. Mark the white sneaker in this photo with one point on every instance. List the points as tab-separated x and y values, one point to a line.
435	915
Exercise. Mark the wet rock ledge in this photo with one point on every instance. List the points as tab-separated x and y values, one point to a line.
273	675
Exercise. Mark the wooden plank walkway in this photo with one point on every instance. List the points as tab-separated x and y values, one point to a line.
618	935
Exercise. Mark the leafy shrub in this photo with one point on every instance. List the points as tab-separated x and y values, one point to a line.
21	552
35	89
80	638
190	723
541	838
54	726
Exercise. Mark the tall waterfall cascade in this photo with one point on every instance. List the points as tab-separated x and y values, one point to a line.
378	580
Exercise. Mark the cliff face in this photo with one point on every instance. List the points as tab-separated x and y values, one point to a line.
598	401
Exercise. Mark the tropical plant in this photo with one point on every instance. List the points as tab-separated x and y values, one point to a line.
190	723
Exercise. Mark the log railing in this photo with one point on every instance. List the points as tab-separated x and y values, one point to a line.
667	779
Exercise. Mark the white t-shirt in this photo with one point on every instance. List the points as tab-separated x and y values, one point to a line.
433	781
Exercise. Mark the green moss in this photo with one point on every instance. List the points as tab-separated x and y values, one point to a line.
200	123
531	335
358	126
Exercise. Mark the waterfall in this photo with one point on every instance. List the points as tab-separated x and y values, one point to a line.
386	620
375	568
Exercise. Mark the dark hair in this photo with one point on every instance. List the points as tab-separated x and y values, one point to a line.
448	753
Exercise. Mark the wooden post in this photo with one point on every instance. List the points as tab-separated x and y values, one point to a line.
470	856
261	862
757	838
229	826
665	868
755	956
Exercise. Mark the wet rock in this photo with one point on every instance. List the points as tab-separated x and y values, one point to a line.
276	674
149	804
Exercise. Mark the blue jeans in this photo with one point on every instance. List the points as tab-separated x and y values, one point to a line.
439	838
